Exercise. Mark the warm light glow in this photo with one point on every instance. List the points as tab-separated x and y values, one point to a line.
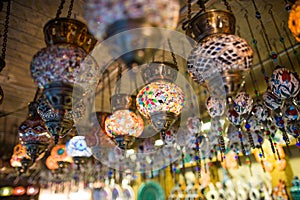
19	191
32	190
6	191
160	97
294	20
124	122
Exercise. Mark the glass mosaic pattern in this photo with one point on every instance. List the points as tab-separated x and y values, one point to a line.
221	51
215	106
160	97
101	13
124	122
77	147
56	63
284	84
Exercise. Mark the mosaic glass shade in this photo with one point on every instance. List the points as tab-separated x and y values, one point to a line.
260	111
215	106
284	84
77	147
56	63
160	97
226	52
243	103
271	101
290	111
19	153
124	122
294	20
102	13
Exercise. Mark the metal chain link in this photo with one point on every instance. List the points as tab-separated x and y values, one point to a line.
60	7
70	9
201	3
189	15
173	55
227	5
5	30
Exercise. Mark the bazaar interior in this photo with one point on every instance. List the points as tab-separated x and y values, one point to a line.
150	99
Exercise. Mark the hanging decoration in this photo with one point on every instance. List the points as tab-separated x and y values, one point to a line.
55	67
243	103
108	18
161	100
215	106
77	148
58	157
33	133
123	125
294	20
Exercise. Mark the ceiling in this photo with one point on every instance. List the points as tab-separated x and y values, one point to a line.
25	38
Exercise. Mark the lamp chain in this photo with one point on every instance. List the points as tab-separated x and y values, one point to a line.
173	55
5	31
70	9
189	15
60	7
201	3
281	39
227	5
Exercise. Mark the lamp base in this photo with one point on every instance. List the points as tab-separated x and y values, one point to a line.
125	141
162	121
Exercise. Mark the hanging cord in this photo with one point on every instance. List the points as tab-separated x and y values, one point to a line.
201	3
281	38
70	9
263	71
118	89
172	53
227	5
258	16
287	33
5	34
60	7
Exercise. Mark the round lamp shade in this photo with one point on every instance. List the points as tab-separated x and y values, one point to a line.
160	97
271	101
215	106
284	84
100	14
243	103
294	20
124	122
56	63
221	51
260	111
77	147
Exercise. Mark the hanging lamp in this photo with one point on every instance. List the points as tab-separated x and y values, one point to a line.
33	133
218	49
294	20
55	69
161	100
110	17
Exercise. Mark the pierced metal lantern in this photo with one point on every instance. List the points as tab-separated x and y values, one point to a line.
294	20
123	125
215	106
243	103
284	83
229	54
33	133
59	124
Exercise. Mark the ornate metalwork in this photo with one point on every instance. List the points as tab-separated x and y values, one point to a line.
69	31
211	22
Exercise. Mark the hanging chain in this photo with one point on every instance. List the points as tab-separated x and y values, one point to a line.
5	31
60	7
201	3
227	5
173	55
281	39
189	15
70	9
